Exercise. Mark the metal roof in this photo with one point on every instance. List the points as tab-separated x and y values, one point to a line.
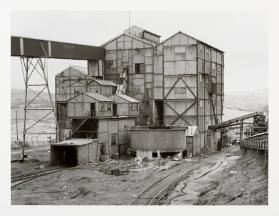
75	142
256	135
131	36
180	32
80	69
127	98
139	30
104	82
98	97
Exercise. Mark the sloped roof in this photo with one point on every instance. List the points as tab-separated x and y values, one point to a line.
98	97
126	98
138	29
81	70
104	82
180	32
95	96
75	142
131	36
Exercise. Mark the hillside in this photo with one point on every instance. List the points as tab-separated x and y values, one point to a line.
256	100
46	126
17	98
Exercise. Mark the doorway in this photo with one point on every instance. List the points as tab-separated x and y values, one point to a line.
61	114
64	155
159	104
92	110
114	109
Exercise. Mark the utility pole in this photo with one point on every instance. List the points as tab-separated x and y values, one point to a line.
26	78
16	128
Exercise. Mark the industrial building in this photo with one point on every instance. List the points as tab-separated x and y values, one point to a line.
179	81
173	86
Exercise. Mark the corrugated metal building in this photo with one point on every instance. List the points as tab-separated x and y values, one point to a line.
179	81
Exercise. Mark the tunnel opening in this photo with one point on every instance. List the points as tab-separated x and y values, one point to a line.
64	156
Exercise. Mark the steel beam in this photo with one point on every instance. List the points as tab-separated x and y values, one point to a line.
38	48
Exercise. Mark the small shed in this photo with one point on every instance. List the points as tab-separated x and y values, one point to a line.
90	105
103	87
192	141
123	105
73	152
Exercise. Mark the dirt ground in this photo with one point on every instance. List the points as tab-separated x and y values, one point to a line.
225	177
236	179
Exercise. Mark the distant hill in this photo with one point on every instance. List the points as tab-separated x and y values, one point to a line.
251	101
17	98
255	100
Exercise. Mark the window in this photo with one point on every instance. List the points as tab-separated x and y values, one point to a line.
109	107
136	107
114	139
103	107
108	63
207	55
130	106
76	92
213	66
139	68
201	103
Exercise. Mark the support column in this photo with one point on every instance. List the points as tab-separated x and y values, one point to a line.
241	131
30	68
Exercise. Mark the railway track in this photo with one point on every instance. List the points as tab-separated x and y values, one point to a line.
20	179
154	194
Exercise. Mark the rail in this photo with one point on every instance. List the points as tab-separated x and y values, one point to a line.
18	180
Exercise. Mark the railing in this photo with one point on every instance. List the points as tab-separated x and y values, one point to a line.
256	142
91	114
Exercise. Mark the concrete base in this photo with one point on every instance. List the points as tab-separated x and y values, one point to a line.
144	154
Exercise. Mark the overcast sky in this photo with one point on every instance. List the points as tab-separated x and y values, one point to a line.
243	36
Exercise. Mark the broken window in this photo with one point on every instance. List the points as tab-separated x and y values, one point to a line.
139	68
114	139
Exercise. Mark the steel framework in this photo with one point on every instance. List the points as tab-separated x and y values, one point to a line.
30	67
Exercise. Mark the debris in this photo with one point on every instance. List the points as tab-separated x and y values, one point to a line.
176	159
232	173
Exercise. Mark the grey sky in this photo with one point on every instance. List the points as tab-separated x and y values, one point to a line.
243	36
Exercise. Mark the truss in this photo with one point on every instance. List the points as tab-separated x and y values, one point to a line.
30	68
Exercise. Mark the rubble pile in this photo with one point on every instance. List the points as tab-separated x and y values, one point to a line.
123	167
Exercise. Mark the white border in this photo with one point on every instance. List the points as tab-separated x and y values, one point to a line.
271	6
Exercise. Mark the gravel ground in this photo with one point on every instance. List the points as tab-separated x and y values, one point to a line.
221	178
